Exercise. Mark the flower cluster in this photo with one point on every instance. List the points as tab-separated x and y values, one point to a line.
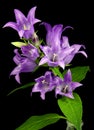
55	53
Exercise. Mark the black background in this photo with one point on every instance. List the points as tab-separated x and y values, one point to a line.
16	108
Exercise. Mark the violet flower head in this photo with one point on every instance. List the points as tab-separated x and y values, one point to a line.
54	53
58	52
44	84
25	62
54	56
75	49
65	87
53	36
24	25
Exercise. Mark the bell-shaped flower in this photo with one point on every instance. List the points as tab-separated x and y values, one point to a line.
25	61
58	52
54	56
53	36
66	86
75	47
44	84
24	25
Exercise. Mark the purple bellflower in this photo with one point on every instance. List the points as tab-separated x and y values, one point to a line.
44	84
54	56
25	62
75	49
65	87
24	25
58	52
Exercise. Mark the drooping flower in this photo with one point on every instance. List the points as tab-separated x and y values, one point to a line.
30	52
44	84
66	86
75	47
58	52
53	36
25	61
24	25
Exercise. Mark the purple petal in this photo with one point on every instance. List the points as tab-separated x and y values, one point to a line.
68	58
53	38
43	60
40	79
53	34
28	33
61	64
53	64
48	29
17	58
21	32
70	95
68	76
16	70
30	51
75	85
83	52
31	16
57	30
48	76
76	47
67	28
47	26
36	88
20	17
47	50
65	42
28	66
17	77
12	25
42	95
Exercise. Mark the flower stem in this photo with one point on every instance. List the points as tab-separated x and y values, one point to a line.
70	126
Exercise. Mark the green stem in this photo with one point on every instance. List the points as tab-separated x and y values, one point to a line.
70	126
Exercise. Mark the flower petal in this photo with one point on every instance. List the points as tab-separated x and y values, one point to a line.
31	16
75	85
17	77
43	60
65	42
70	95
36	88
83	52
68	76
42	95
20	17
47	50
12	25
61	64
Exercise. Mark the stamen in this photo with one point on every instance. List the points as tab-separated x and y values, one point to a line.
54	57
45	84
26	27
65	89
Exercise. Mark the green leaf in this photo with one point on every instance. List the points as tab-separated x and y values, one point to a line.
78	73
39	122
22	87
56	71
72	109
18	44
